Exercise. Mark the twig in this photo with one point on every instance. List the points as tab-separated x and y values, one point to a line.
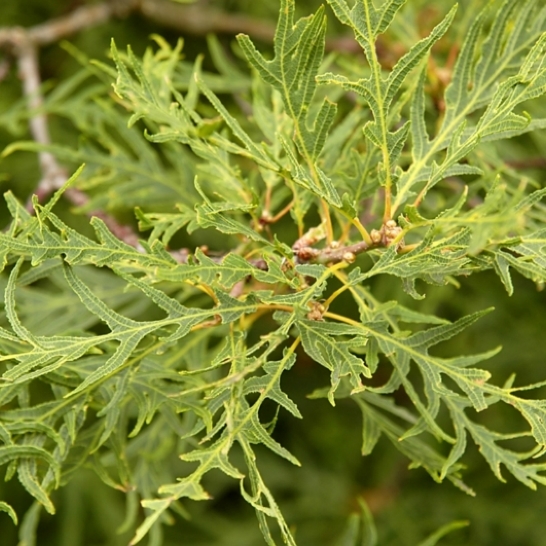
191	19
331	254
61	27
527	163
24	43
80	19
123	232
196	20
4	68
390	233
53	175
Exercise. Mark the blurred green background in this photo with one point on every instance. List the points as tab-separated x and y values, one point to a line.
319	497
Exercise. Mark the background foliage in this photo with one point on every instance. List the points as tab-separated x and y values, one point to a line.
123	171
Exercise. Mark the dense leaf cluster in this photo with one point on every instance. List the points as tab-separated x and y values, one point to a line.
326	175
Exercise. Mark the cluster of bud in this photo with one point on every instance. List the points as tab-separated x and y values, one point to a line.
391	231
317	311
336	252
387	234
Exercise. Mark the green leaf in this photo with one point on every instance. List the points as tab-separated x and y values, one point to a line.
5	507
433	539
271	382
414	57
127	331
26	472
434	259
254	151
368	22
225	272
298	51
380	411
495	455
528	257
12	452
516	39
361	530
320	344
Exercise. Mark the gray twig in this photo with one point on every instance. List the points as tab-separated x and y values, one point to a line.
390	233
53	175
